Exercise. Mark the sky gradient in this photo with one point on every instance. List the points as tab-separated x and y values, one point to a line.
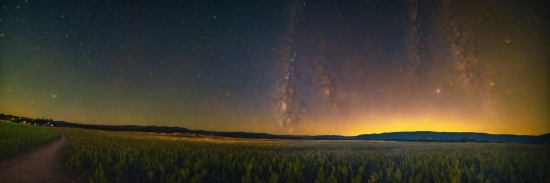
281	67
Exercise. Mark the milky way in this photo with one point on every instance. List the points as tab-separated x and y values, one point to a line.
290	66
304	65
443	44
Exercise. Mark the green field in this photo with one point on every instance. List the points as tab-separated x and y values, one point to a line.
16	138
147	157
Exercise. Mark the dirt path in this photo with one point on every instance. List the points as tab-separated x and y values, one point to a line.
43	164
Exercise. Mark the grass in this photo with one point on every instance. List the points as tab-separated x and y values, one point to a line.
17	138
149	157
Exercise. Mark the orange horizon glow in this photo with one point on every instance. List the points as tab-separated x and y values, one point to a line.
371	124
398	124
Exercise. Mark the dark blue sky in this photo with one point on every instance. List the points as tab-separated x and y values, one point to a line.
303	67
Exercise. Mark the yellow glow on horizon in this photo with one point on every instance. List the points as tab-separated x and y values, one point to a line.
402	124
371	123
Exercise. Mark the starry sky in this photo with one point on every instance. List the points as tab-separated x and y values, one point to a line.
280	67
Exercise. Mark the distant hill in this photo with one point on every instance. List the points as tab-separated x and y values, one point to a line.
416	136
456	137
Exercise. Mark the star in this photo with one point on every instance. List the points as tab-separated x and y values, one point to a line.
301	66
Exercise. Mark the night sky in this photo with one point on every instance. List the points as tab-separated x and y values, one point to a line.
281	67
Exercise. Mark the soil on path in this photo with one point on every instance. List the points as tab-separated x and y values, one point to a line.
43	164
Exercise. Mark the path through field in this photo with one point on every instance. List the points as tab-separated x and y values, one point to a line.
43	164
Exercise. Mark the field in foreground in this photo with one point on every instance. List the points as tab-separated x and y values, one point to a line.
142	157
17	138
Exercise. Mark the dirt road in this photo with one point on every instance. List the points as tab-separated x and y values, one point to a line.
43	164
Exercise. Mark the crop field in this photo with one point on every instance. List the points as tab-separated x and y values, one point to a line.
144	157
16	138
